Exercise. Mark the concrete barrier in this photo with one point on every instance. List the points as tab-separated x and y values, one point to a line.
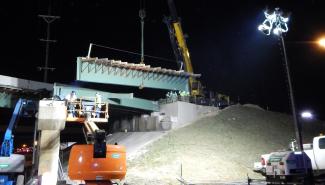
165	125
125	125
143	123
182	113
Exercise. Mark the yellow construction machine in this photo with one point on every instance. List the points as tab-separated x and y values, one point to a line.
180	49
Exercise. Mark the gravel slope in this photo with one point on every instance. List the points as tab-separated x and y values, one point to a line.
222	147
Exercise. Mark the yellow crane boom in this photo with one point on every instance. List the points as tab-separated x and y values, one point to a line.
180	48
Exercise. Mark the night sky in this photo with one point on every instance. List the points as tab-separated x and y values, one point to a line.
226	48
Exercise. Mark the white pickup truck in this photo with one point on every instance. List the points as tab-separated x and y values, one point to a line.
316	153
292	166
260	166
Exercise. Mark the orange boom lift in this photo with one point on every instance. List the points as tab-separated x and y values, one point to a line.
96	163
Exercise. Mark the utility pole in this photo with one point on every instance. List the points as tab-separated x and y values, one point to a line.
142	15
48	19
293	105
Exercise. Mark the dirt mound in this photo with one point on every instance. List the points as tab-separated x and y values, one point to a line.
219	148
253	106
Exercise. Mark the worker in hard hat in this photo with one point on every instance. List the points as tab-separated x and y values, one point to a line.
71	99
98	104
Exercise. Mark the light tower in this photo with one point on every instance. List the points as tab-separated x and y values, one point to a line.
277	24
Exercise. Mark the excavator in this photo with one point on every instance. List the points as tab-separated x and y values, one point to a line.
95	163
180	49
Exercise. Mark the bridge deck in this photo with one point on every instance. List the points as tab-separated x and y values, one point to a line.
11	89
131	74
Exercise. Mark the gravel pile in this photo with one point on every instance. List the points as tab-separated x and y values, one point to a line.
220	148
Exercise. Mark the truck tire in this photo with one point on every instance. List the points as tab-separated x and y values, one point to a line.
309	178
270	180
20	180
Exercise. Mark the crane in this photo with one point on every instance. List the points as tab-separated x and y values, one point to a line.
180	48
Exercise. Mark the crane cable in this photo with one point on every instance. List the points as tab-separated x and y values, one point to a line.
131	52
142	15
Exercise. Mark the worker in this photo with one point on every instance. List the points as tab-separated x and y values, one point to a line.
98	104
71	99
174	96
168	97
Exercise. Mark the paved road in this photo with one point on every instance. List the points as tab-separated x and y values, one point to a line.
134	141
253	182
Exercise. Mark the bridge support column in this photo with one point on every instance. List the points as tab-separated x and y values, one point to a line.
51	120
49	156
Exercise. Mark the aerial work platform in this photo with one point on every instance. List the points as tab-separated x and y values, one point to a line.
120	99
131	74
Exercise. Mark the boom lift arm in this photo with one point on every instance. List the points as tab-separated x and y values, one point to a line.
96	162
12	165
7	146
98	138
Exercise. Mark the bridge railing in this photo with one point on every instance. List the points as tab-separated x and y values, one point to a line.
85	108
194	100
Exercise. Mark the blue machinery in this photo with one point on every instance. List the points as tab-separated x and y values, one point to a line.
12	165
7	146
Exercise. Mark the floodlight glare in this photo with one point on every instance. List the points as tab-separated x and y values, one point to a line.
274	22
260	27
285	19
276	31
307	115
321	42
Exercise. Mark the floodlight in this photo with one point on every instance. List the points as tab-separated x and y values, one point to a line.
306	115
274	22
321	42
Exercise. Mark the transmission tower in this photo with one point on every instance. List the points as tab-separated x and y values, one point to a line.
48	19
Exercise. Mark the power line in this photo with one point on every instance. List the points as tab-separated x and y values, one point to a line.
134	53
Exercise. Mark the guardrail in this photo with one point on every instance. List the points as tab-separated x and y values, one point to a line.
195	100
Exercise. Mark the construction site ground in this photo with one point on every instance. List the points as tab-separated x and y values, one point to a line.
220	147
